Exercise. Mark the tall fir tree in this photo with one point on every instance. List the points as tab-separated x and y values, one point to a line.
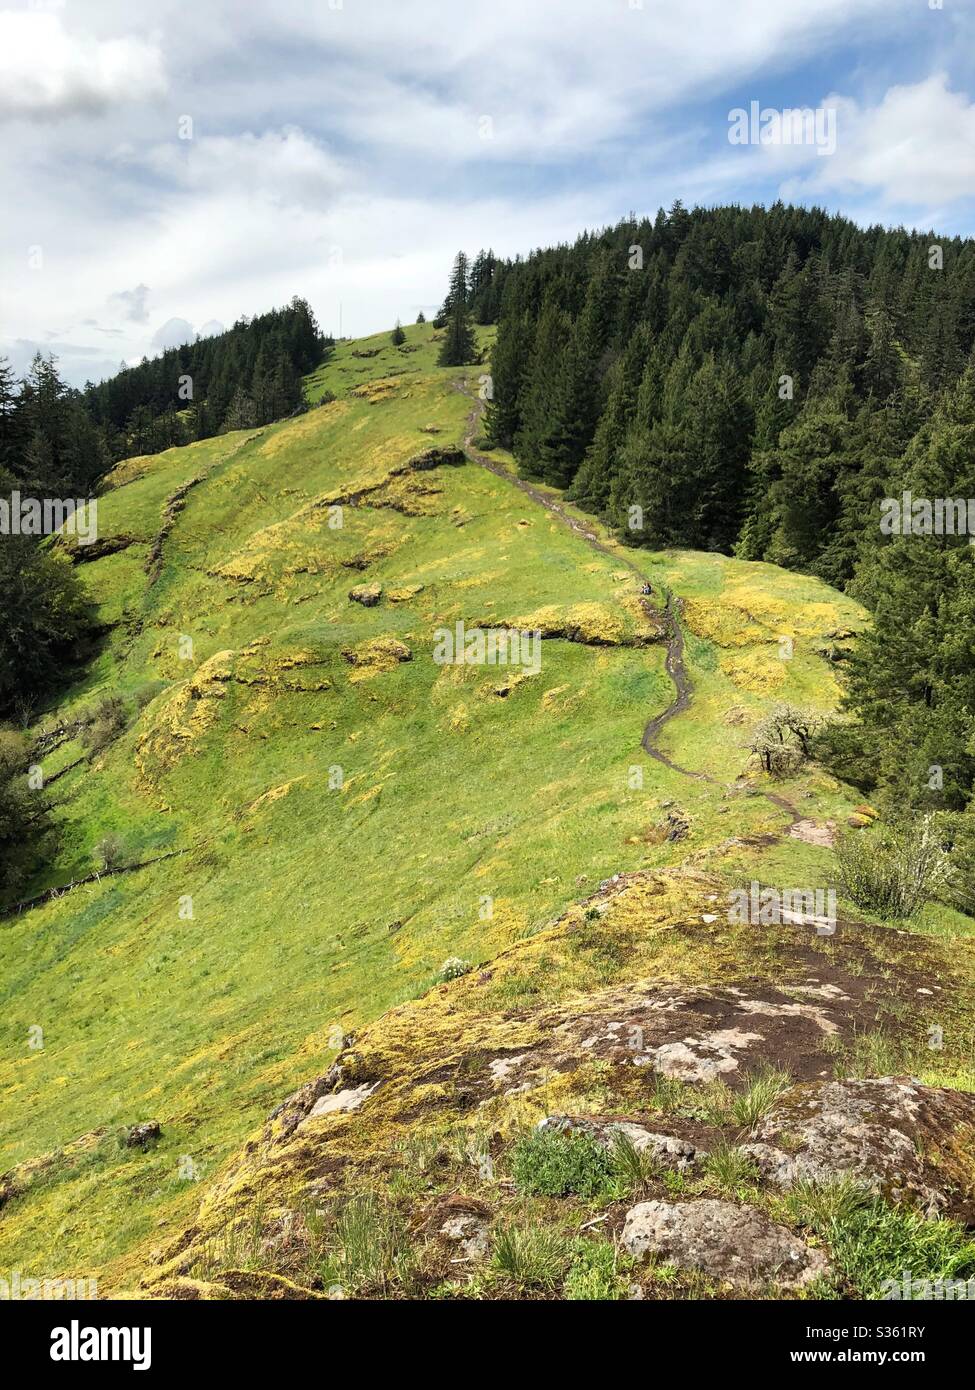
458	346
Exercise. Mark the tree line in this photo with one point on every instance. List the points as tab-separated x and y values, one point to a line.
757	381
249	375
59	442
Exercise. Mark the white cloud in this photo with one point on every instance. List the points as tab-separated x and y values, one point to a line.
341	153
286	166
172	333
916	146
47	72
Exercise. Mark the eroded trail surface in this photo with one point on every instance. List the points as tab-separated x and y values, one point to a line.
675	665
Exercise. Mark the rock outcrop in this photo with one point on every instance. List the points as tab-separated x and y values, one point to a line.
723	1240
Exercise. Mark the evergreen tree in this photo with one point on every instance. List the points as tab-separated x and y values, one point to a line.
46	617
241	413
458	346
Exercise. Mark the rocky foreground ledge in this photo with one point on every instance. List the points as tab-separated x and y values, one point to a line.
695	1128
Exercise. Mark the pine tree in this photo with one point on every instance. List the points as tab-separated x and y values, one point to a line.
397	337
458	346
10	424
241	414
48	615
539	439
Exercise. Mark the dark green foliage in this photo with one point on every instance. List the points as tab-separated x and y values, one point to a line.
911	685
241	412
45	618
397	337
24	814
458	347
196	390
48	441
758	380
729	370
58	442
555	1165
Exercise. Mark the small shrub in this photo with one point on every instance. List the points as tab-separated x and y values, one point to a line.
555	1165
452	969
107	723
893	872
108	852
783	740
675	1181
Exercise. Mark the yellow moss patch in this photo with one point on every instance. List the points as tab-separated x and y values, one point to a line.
459	719
379	390
553	698
182	716
504	687
413	494
372	657
583	622
274	794
760	672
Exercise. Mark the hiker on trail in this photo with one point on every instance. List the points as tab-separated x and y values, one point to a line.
646	589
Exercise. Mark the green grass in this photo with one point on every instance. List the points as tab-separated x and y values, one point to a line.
598	1273
759	1097
342	832
730	1170
367	1250
873	1243
533	1258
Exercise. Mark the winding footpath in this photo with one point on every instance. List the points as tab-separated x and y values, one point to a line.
674	664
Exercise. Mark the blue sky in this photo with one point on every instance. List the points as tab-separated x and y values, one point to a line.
345	149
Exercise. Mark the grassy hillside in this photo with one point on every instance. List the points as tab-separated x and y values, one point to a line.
333	814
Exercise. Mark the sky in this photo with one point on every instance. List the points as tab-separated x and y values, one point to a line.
169	167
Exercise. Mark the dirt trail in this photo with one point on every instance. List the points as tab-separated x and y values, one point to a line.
675	665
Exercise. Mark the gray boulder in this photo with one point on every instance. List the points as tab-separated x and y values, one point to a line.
723	1240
